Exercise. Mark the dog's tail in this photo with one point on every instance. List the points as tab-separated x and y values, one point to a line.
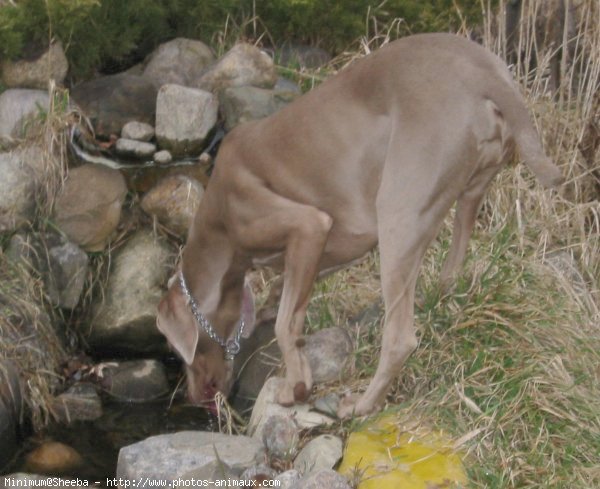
511	104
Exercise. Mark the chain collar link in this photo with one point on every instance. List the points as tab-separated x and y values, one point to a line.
231	346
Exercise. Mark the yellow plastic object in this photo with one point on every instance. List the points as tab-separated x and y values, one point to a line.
386	456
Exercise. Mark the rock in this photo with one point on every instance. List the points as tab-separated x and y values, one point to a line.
52	457
174	201
323	452
180	61
258	473
163	157
139	131
35	73
168	457
184	118
328	352
266	407
288	478
125	321
112	101
280	436
11	405
79	403
328	404
243	65
131	148
241	104
259	359
324	479
135	381
217	470
286	85
88	209
17	192
303	56
17	107
62	264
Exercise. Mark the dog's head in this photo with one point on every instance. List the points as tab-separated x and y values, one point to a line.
207	369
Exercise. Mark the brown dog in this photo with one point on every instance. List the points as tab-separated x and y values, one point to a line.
376	154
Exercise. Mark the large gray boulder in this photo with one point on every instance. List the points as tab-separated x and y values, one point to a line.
184	118
112	101
124	318
52	64
17	107
179	61
169	457
243	64
241	104
88	209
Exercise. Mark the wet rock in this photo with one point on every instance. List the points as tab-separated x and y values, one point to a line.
184	118
52	457
112	101
168	457
242	104
62	264
138	131
17	107
35	73
243	65
174	201
88	209
163	157
135	381
324	479
11	405
180	61
78	403
266	407
328	351
280	435
323	452
125	320
288	478
130	148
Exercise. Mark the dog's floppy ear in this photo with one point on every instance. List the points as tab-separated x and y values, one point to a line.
182	335
248	311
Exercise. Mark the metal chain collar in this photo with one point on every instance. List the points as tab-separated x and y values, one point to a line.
231	346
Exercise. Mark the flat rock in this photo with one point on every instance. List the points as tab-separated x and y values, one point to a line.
135	380
35	73
174	201
328	351
138	131
266	407
242	104
17	107
168	457
125	320
243	65
88	209
180	61
130	148
184	118
322	452
112	101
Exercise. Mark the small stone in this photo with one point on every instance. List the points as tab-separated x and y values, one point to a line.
288	478
163	157
135	149
328	404
280	436
328	352
52	457
138	131
323	452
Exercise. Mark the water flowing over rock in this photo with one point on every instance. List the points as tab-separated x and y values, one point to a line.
50	65
124	320
184	118
243	65
88	209
180	61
